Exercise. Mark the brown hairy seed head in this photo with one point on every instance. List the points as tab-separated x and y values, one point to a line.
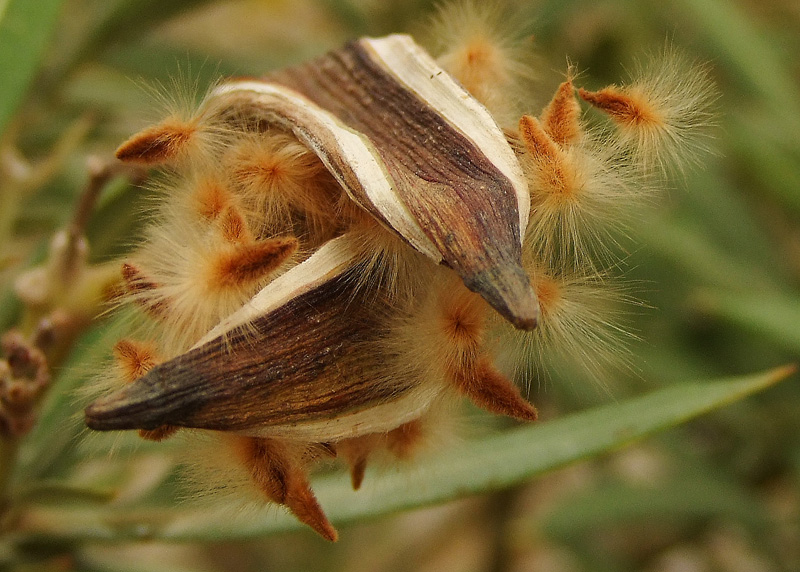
158	144
561	117
342	244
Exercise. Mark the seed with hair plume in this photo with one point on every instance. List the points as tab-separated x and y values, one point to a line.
549	294
234	226
403	440
277	469
356	452
211	197
663	112
555	175
134	358
247	263
561	118
491	390
140	287
157	144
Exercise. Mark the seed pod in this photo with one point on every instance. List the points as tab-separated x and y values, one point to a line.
416	151
330	255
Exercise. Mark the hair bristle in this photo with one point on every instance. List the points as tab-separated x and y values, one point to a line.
135	358
663	113
277	468
561	118
581	196
277	174
212	197
581	325
479	44
386	265
245	264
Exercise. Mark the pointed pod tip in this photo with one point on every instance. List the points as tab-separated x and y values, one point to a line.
101	415
527	319
508	290
135	406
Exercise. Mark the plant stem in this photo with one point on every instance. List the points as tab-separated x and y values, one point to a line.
9	447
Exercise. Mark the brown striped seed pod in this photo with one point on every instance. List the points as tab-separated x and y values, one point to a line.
342	245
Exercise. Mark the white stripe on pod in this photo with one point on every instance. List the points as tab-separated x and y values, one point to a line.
331	260
375	419
415	69
326	135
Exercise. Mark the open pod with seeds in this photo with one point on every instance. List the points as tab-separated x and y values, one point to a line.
341	245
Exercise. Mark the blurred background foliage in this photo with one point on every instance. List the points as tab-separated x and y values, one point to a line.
716	263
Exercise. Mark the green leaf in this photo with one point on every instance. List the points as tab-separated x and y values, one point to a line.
687	245
118	21
764	313
751	56
25	29
684	500
489	464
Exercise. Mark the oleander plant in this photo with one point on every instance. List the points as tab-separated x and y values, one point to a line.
271	269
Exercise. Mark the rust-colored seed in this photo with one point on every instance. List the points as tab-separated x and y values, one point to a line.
402	441
234	227
622	107
284	481
357	471
537	142
212	199
560	118
554	169
250	262
488	388
135	358
137	284
356	452
157	144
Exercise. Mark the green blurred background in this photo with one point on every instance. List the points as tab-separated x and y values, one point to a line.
715	260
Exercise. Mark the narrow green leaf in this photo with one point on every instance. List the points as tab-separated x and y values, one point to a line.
119	21
767	156
684	500
765	313
59	493
750	54
688	245
25	29
489	464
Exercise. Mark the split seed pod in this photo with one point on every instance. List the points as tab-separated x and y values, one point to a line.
329	263
317	355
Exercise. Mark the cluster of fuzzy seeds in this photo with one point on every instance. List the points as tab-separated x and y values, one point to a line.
244	203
